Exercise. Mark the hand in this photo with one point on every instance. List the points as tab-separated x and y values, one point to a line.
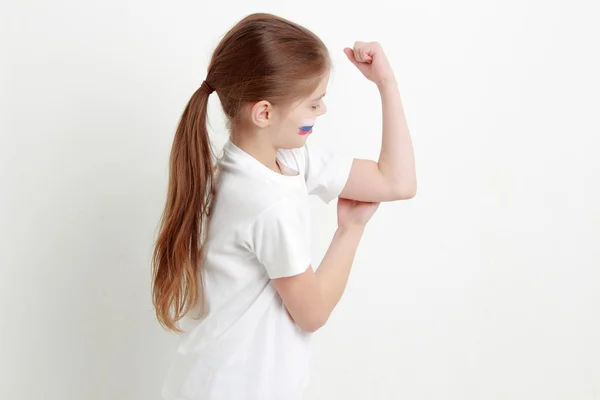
354	213
370	59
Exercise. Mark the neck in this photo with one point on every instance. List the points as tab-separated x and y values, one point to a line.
261	150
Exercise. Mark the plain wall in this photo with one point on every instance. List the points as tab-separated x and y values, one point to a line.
486	285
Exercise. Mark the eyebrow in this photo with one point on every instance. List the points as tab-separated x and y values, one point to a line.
320	97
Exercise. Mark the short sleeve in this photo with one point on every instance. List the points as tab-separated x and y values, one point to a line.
280	239
326	171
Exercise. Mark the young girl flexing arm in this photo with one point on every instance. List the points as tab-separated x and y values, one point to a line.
231	266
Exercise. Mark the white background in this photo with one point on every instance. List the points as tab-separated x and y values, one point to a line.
484	286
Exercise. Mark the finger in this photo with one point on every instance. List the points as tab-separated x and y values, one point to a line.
350	54
356	50
362	55
366	51
366	54
358	53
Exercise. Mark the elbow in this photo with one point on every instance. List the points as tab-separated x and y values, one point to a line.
404	192
409	193
313	327
313	324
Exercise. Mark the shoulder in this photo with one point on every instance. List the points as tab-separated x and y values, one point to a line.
313	156
325	169
280	238
286	210
295	158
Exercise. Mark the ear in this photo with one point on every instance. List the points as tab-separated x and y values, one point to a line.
262	114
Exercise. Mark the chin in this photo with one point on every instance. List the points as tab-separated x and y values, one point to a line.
295	143
301	141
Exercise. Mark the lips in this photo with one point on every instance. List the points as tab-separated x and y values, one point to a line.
305	130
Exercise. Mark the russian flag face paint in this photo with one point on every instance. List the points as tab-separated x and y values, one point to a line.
306	127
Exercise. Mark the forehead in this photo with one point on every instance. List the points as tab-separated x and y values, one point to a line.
315	96
322	86
318	93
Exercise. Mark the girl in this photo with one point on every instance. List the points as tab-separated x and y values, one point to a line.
231	266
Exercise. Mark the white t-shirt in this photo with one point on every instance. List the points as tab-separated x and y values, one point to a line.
247	347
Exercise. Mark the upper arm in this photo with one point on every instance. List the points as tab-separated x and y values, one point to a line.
367	183
330	174
301	296
280	240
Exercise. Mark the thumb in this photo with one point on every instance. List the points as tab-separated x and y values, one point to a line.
350	54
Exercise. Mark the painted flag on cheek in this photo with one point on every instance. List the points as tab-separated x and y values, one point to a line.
306	128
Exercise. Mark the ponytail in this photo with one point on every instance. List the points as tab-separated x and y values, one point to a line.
263	57
177	283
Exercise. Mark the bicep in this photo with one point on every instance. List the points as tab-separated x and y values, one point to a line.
367	183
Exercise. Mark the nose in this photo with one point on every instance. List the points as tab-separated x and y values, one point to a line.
322	109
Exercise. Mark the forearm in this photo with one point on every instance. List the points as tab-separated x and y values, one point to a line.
396	159
334	270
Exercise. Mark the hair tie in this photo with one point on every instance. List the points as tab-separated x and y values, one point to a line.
209	89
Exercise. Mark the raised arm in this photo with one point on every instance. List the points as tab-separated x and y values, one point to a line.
393	176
